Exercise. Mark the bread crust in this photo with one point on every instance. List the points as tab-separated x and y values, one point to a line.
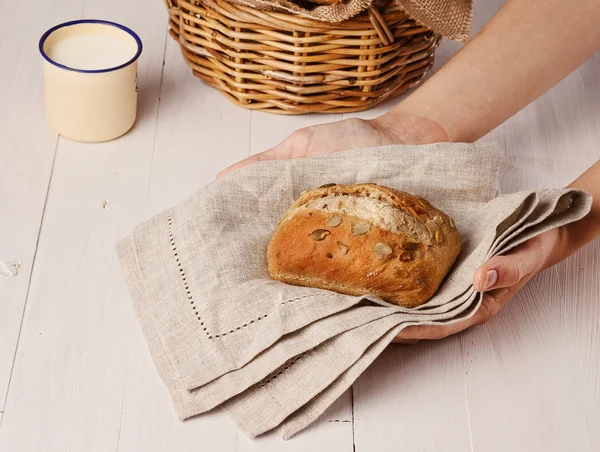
403	257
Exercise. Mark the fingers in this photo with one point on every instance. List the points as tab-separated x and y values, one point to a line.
283	150
267	155
240	164
492	302
521	263
398	340
515	266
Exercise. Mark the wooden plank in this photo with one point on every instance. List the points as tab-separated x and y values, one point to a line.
83	379
530	379
98	386
27	149
77	346
531	376
199	134
413	398
537	362
523	390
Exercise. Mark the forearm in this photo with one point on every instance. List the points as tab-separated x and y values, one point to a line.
527	47
580	233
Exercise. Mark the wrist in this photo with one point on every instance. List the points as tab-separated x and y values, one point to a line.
568	239
560	249
405	127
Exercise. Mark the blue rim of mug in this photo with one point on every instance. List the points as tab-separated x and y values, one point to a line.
127	30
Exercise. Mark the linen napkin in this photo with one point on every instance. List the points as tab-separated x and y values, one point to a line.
221	332
327	364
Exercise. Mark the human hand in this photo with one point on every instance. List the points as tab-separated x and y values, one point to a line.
500	278
393	128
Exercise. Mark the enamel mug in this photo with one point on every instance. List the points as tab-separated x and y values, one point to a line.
90	79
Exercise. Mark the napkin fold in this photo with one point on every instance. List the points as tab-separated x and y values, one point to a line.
275	356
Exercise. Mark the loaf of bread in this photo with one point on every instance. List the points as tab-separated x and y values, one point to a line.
364	239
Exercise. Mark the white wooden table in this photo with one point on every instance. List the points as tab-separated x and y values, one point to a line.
75	374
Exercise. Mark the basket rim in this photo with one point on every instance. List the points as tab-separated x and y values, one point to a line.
284	64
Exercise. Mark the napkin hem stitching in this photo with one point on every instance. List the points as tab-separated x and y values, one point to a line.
190	297
286	366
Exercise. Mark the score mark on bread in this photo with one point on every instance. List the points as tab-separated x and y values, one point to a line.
364	239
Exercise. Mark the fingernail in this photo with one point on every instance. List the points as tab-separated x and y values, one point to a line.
489	279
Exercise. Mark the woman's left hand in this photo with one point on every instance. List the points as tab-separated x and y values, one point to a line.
400	127
500	278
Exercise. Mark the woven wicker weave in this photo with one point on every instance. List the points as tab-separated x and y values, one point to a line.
281	63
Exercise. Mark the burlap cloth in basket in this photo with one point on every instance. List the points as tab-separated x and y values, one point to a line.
449	18
275	356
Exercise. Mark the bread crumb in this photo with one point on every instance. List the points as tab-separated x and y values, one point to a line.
10	270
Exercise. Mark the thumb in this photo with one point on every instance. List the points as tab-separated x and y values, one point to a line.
505	271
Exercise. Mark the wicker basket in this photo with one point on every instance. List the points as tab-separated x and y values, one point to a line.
287	64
